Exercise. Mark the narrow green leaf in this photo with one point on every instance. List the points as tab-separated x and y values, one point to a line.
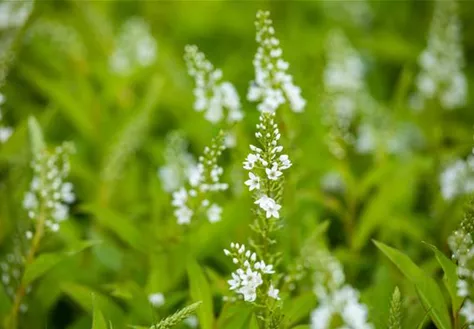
45	262
200	291
37	143
450	277
130	136
298	308
98	320
122	226
428	290
81	295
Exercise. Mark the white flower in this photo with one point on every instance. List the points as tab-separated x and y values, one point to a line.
458	178
344	304
234	282
183	214
180	197
467	310
285	162
30	201
253	183
192	321
250	161
156	299
269	205
273	173
135	47
5	133
273	293
441	76
272	85
214	213
249	293
213	95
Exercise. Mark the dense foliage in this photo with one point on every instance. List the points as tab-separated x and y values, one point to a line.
228	165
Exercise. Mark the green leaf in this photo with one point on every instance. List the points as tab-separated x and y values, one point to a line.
81	295
200	291
298	308
37	143
45	262
450	277
122	226
234	316
130	136
98	320
428	290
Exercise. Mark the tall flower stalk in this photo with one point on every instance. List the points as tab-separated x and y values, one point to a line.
203	183
47	205
255	280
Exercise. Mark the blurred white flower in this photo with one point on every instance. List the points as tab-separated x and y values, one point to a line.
457	178
441	76
272	85
218	99
135	47
156	299
49	191
13	14
179	164
192	321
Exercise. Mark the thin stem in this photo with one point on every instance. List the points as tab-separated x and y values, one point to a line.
21	291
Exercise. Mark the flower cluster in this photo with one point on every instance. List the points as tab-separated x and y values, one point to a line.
135	47
344	90
213	95
337	300
458	178
272	86
462	247
442	61
178	162
50	194
5	132
340	306
266	166
203	180
251	275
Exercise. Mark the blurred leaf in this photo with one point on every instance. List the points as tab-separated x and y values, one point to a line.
129	137
395	196
98	321
234	316
68	104
428	290
297	309
37	143
120	225
450	277
45	262
200	291
82	295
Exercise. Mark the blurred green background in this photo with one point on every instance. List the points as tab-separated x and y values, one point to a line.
61	74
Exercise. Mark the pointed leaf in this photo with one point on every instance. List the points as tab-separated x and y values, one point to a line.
428	290
98	320
45	262
37	143
450	277
200	291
